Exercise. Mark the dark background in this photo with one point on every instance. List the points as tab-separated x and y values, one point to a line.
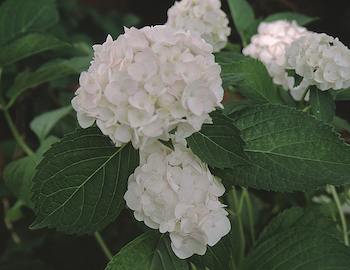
334	15
61	251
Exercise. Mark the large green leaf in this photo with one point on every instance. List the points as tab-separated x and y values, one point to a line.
42	124
18	17
219	144
217	257
297	217
19	173
58	69
79	185
256	83
243	18
28	45
322	104
150	251
290	150
290	16
299	248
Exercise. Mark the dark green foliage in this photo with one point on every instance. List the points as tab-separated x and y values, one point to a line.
80	183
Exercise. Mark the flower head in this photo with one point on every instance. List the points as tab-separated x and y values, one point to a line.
269	47
321	60
204	17
147	82
173	191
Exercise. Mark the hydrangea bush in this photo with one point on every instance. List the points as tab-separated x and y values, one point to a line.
209	183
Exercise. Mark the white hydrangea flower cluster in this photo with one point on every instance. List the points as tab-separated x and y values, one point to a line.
269	47
174	191
321	60
204	17
147	82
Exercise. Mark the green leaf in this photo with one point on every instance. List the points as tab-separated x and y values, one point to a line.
256	83
233	47
228	57
78	63
217	257
290	151
229	78
168	144
342	94
340	124
235	106
286	97
296	217
5	191
15	213
79	185
290	16
130	20
299	248
42	124
18	17
322	104
243	18
297	78
225	59
19	173
151	251
26	80
219	144
28	45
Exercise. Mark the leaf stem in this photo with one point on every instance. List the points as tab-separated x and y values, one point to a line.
12	126
15	133
103	246
306	108
341	214
240	224
250	214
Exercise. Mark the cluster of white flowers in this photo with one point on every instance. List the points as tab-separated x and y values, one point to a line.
321	60
174	191
269	47
204	17
147	82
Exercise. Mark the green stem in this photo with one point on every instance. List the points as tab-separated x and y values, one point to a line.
306	108
250	214
10	103
103	246
12	126
341	214
15	133
240	224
